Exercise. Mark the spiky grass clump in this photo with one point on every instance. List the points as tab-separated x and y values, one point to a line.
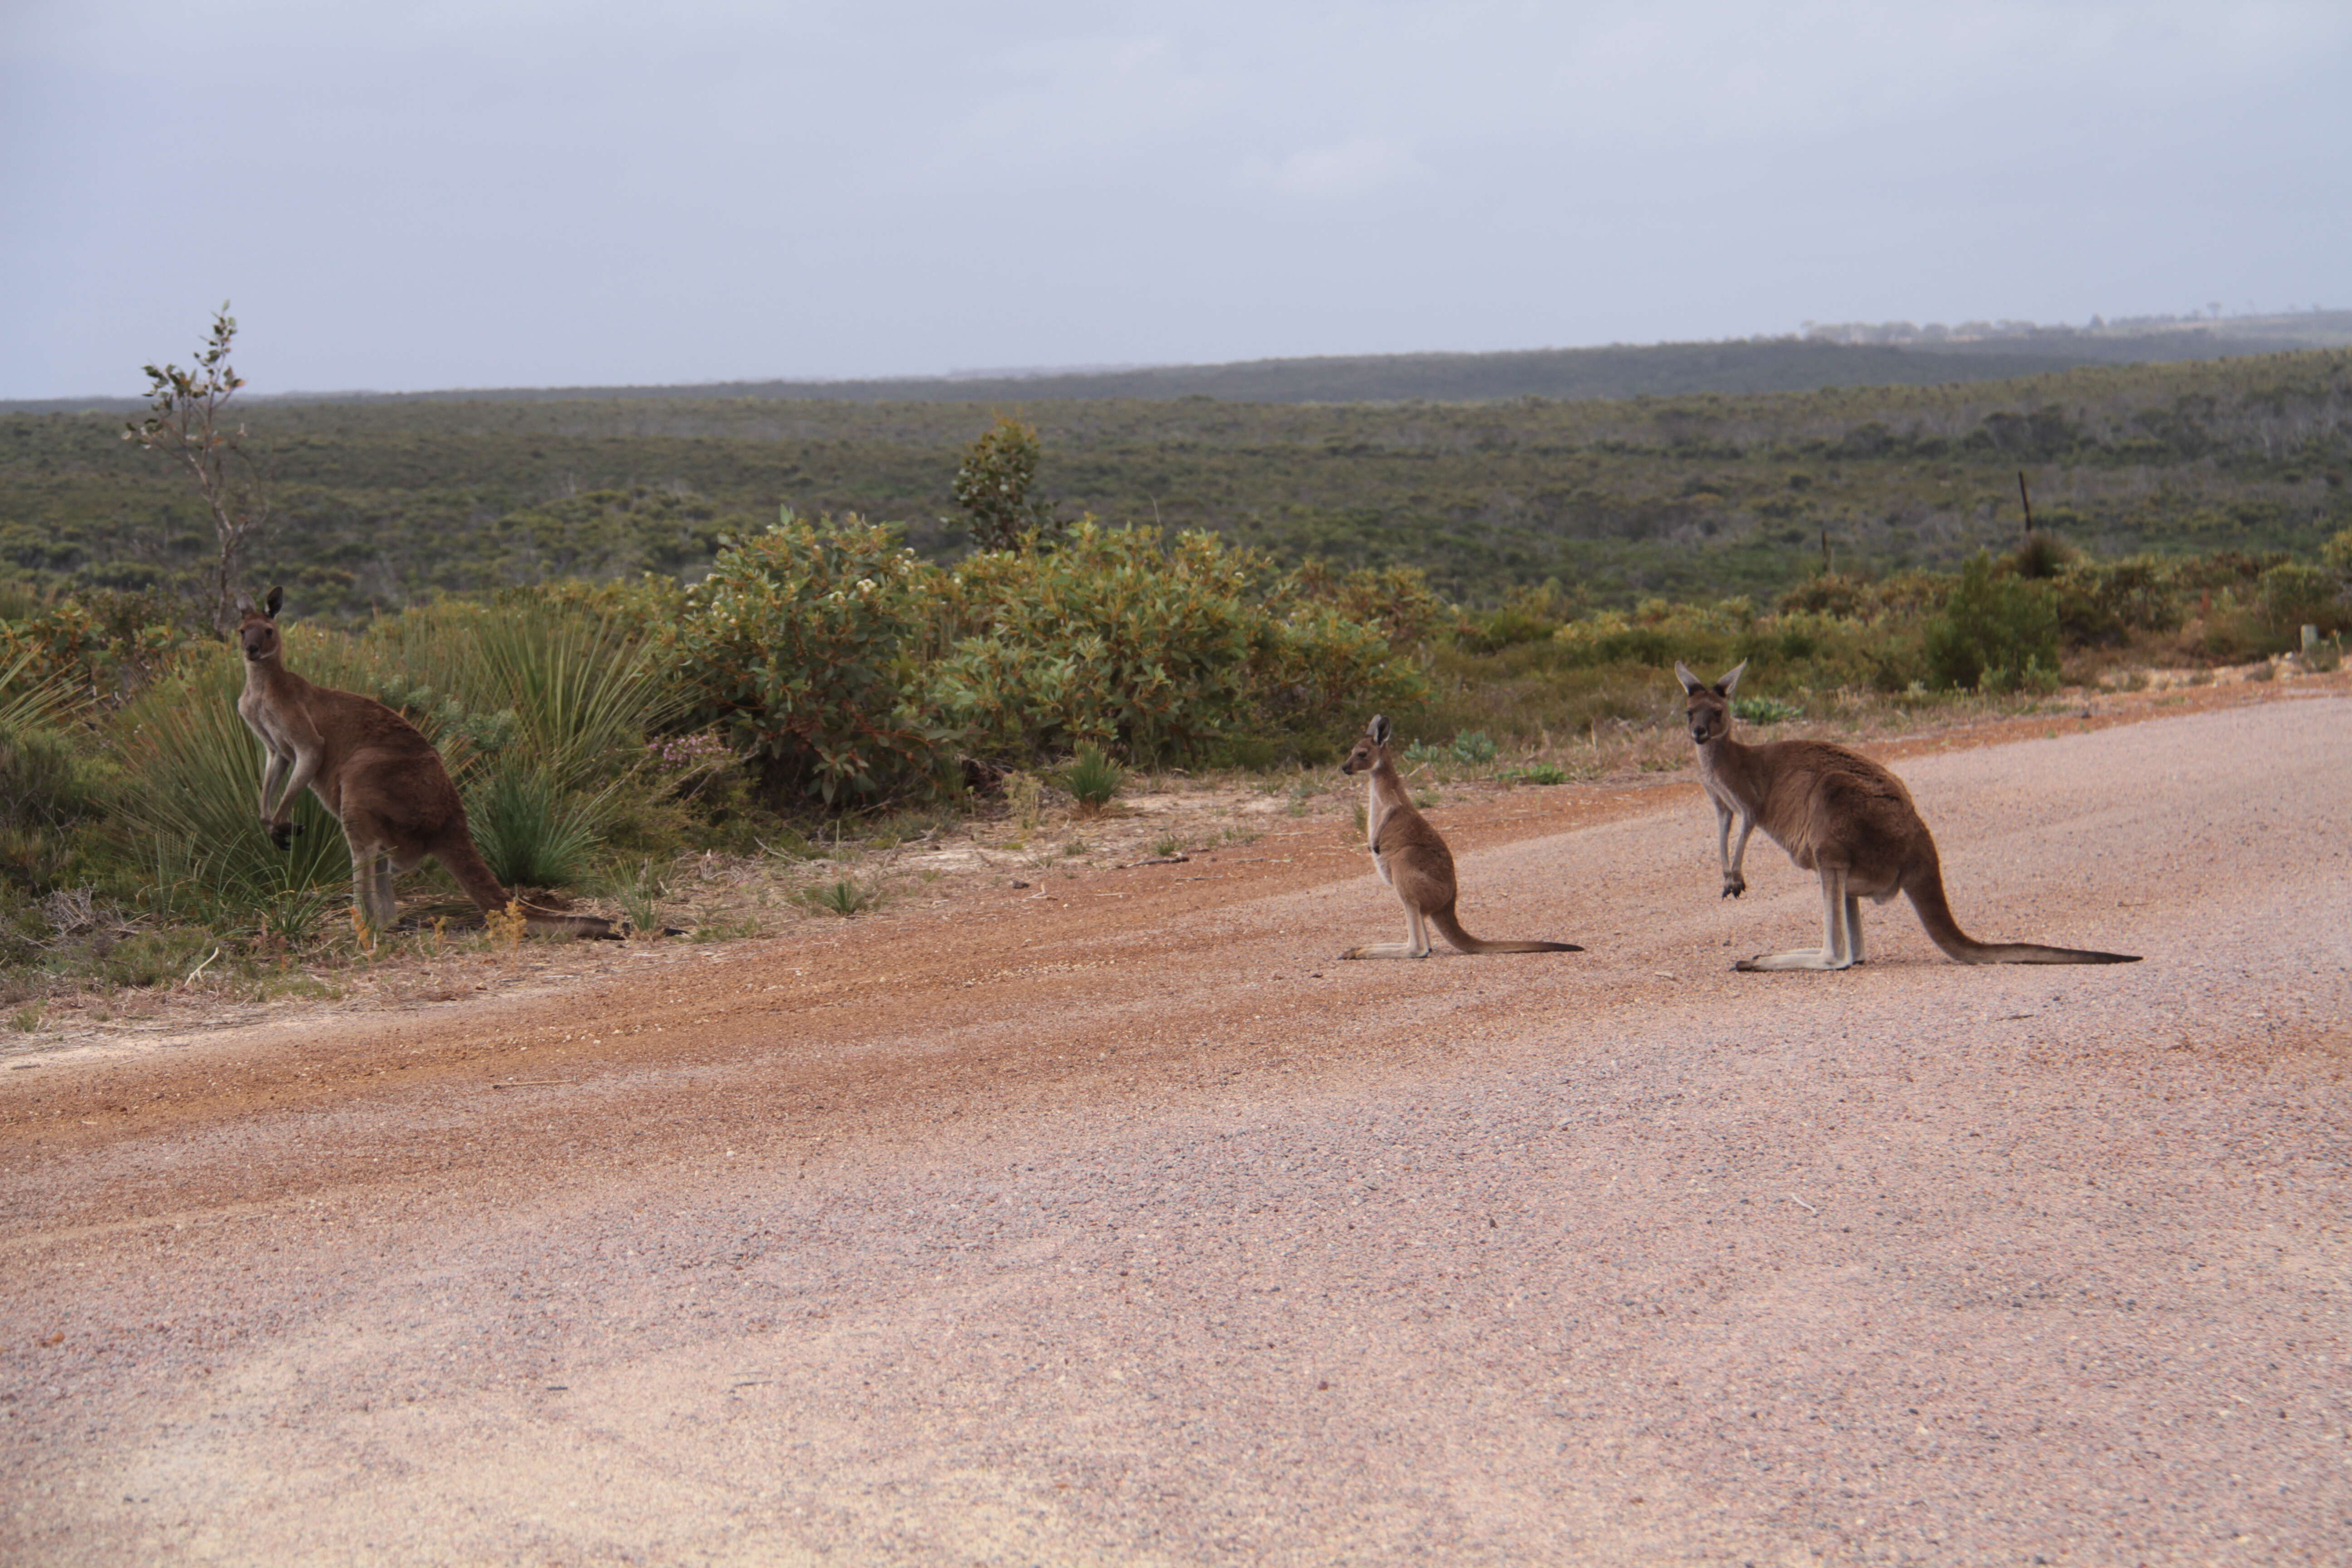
46	784
844	897
1092	779
531	832
639	894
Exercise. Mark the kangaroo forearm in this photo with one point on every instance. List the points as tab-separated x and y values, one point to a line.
305	769
273	776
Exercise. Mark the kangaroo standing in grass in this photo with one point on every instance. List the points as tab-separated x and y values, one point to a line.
1413	860
372	769
1843	816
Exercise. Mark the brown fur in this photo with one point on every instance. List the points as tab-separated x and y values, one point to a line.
368	767
1840	814
1414	861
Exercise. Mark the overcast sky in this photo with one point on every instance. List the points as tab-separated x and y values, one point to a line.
528	193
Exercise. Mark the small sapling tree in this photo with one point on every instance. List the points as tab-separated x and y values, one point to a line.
185	422
993	486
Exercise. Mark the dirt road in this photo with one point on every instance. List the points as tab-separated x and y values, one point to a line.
1117	1223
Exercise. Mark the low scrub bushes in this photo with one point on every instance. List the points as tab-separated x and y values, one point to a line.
1995	629
596	727
856	672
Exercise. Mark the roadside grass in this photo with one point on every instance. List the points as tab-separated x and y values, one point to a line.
215	920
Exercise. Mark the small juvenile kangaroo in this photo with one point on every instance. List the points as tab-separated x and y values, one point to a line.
368	767
1843	816
1414	861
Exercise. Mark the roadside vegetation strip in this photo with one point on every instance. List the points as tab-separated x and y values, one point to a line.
810	723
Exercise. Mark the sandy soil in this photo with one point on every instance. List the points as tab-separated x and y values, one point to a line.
1113	1220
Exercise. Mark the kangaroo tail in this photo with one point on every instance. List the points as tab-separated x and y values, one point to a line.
1925	888
1462	942
464	862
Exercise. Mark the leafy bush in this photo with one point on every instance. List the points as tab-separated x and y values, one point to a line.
801	644
2294	595
1991	622
1540	773
1422	752
1796	647
2102	601
1395	601
101	646
2336	556
992	486
2041	555
1165	651
1764	710
1473	748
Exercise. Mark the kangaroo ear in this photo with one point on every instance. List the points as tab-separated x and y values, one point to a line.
245	604
270	606
1682	673
1730	683
1378	728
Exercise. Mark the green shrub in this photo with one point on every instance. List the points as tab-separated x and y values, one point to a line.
1507	627
992	486
1764	710
2103	602
2041	555
1395	601
640	894
1473	748
844	898
1092	778
47	787
1540	773
531	831
1991	622
2336	556
803	644
101	646
1164	651
2294	595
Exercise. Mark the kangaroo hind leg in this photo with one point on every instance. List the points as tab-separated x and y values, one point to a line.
1853	929
1834	952
372	871
1417	946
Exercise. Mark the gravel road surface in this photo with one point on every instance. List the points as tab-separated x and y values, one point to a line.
1116	1222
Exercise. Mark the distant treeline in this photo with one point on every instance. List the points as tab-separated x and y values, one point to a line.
386	504
1889	354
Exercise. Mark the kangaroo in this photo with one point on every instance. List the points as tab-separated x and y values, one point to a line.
1843	816
368	767
1414	861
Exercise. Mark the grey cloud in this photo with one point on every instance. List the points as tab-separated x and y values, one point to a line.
500	193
